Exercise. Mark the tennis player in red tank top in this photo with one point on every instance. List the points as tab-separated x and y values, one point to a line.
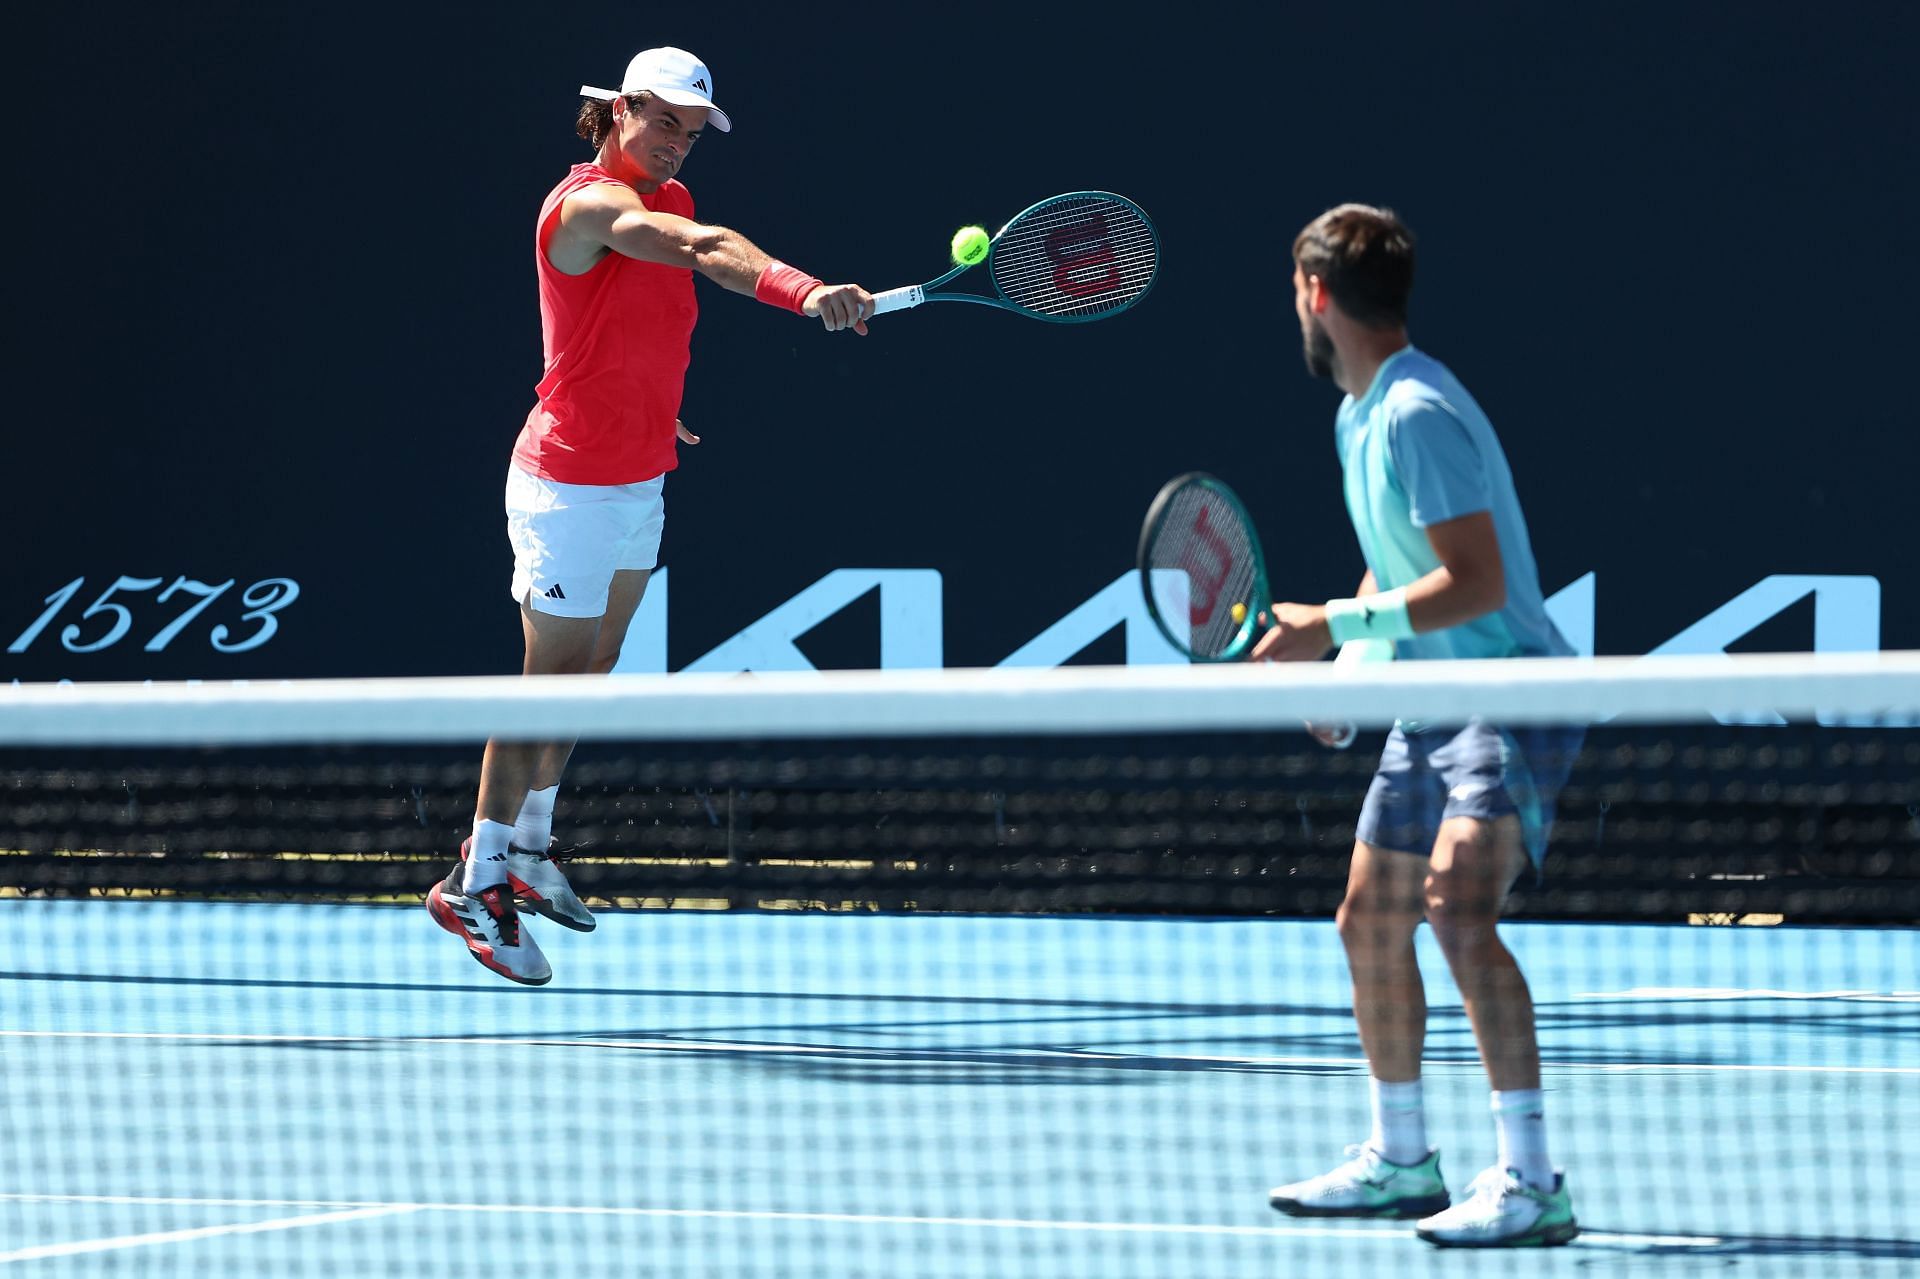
616	251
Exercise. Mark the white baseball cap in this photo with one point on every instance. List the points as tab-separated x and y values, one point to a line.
672	75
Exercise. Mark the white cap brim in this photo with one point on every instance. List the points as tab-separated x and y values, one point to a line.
678	97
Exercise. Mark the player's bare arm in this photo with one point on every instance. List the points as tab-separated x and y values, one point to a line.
1470	582
608	218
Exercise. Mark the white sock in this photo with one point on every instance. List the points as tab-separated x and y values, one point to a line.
1399	1122
533	829
487	855
1521	1117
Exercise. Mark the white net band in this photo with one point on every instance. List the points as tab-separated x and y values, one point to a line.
1835	689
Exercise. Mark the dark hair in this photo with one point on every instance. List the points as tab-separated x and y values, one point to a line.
1364	258
595	120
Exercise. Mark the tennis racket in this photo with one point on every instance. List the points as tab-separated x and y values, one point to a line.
1073	258
1204	576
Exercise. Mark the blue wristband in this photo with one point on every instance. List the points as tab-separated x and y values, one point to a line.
1382	616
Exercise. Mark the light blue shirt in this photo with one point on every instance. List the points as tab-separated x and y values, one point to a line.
1416	450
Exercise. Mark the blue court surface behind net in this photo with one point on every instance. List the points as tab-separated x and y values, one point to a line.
254	1089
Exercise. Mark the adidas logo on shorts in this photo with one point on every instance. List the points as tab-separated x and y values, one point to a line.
554	592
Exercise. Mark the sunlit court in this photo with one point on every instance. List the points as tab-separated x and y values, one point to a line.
858	641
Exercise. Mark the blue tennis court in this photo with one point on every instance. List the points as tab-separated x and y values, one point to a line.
227	1088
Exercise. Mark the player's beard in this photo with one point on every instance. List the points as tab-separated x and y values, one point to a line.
1319	348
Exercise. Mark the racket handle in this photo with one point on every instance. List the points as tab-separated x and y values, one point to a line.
898	299
1339	736
1356	653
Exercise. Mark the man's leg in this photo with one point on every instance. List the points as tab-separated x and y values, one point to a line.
623	600
538	883
1475	862
476	899
1520	1200
1383	906
1394	1174
554	646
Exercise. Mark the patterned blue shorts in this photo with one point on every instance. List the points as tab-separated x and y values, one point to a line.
1428	775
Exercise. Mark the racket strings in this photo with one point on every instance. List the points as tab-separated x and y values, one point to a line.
1208	564
1076	257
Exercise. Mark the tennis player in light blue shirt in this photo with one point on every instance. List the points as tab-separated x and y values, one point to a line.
1455	812
1417	451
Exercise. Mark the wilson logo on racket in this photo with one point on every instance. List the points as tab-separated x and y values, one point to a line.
1204	592
1076	250
1198	555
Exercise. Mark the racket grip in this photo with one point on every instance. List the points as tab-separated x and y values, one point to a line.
1341	735
898	299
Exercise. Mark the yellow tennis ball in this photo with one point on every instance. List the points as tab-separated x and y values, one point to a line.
1239	612
970	245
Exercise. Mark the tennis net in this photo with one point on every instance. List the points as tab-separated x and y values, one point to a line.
942	973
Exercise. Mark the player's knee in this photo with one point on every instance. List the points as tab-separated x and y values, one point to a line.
548	662
1366	924
1462	914
1474	862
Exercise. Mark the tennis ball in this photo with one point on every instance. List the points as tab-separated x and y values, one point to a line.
969	245
1239	612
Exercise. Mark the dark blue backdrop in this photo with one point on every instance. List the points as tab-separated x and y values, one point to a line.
275	313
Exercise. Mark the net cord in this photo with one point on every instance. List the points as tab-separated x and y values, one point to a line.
1866	688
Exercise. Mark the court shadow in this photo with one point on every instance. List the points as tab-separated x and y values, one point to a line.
1731	1246
1034	1065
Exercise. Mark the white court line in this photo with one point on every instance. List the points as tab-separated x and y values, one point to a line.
1677	994
1385	1230
954	1056
42	1251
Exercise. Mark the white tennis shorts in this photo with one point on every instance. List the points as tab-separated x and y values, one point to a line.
570	539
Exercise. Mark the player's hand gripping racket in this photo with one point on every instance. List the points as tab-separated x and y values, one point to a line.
1205	579
1076	257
